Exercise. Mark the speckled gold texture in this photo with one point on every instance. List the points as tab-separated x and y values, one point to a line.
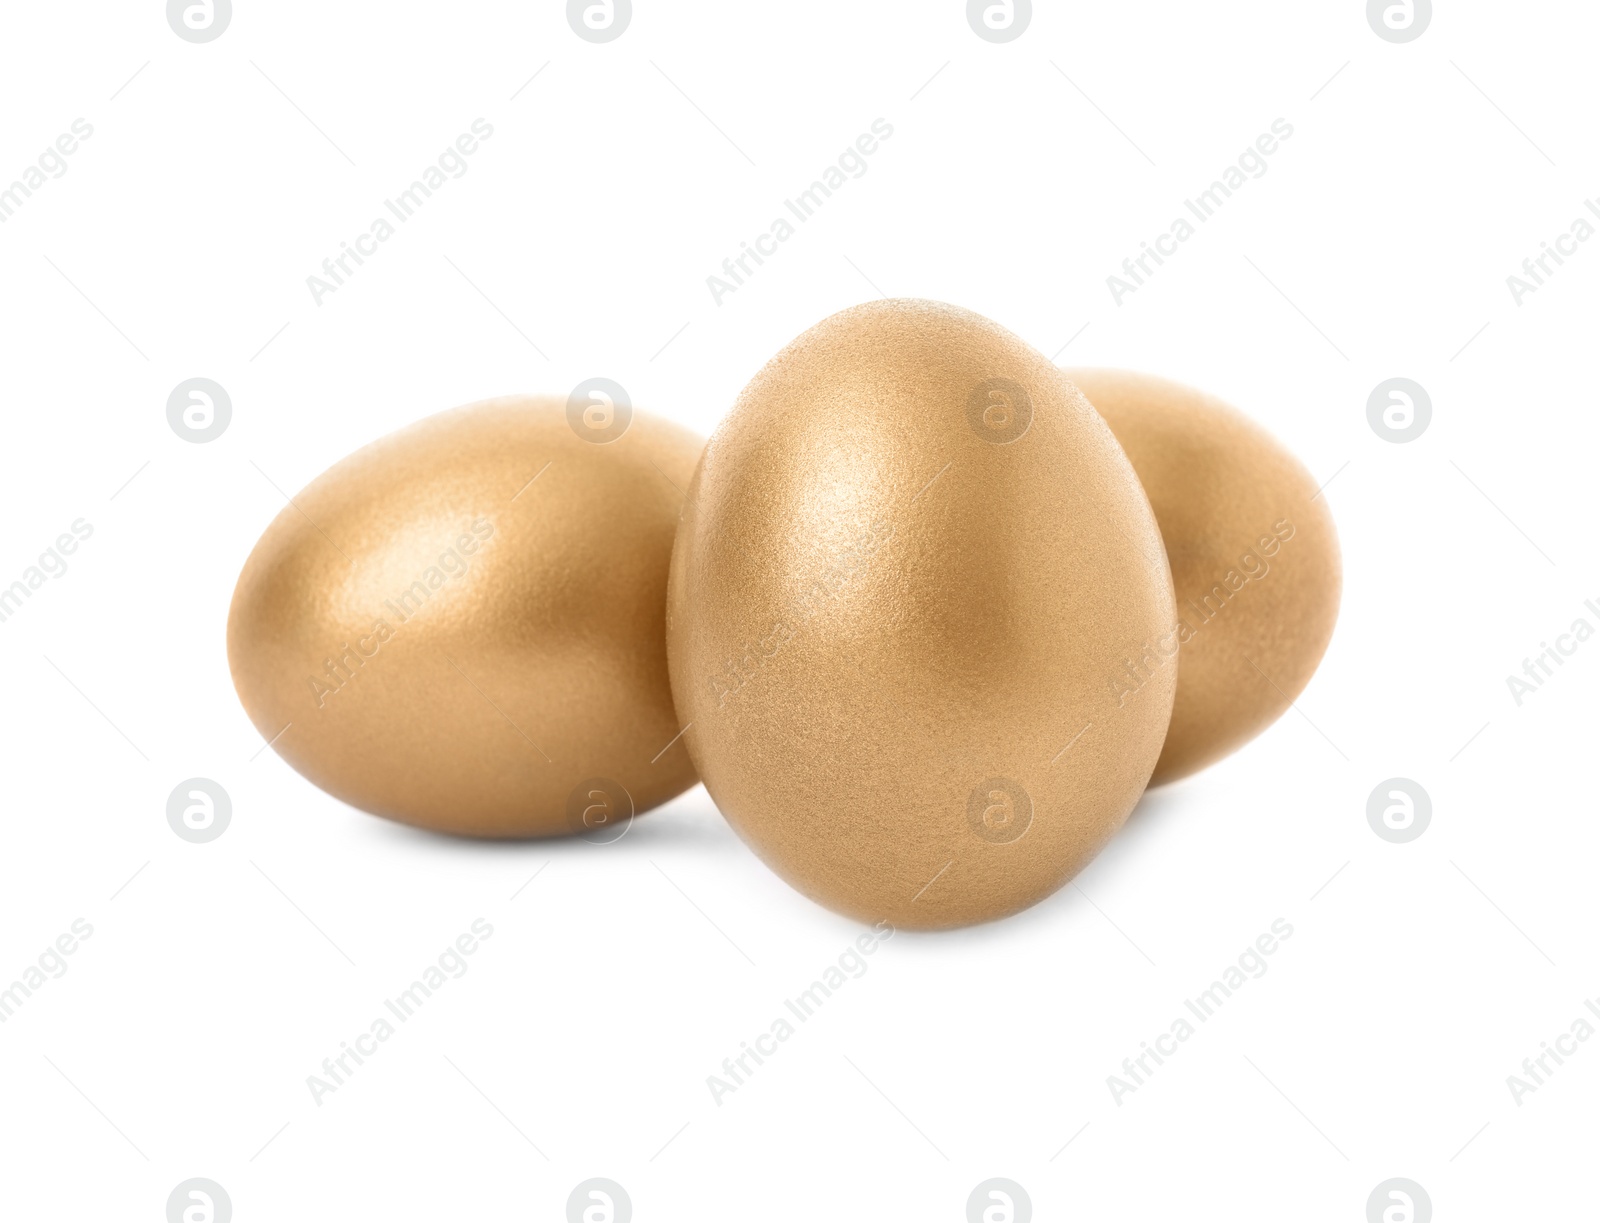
911	563
1254	555
461	626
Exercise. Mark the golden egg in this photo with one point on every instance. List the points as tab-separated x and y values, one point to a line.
909	566
461	626
1254	554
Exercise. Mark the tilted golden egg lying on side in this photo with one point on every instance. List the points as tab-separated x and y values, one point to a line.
461	626
911	563
1254	554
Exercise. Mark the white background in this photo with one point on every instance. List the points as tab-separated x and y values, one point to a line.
178	244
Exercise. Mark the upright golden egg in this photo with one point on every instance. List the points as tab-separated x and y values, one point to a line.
461	626
1255	560
909	568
